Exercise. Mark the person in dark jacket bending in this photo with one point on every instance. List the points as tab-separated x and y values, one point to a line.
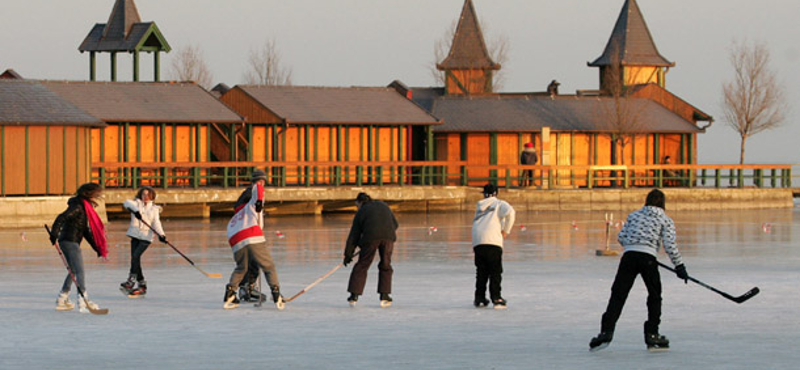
79	221
373	230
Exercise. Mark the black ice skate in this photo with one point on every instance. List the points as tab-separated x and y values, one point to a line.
127	287
140	291
655	342
352	299
386	300
230	299
481	302
499	303
601	341
280	302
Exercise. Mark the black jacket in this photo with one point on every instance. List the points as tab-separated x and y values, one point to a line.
528	156
373	221
72	225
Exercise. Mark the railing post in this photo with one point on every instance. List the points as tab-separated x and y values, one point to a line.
788	176
359	171
379	171
464	176
283	176
627	177
401	171
703	177
508	179
590	182
660	179
717	177
195	177
740	178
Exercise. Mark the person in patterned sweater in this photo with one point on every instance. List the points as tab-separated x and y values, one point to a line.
644	232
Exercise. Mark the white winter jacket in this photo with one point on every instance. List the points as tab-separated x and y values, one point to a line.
646	230
150	214
492	216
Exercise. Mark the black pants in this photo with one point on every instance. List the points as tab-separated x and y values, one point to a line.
358	277
138	247
489	264
632	264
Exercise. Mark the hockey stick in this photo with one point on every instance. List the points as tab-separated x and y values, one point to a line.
749	294
215	276
98	311
323	277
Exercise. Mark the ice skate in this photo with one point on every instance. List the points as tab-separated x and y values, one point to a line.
84	304
386	300
230	299
280	303
127	286
499	303
140	291
601	341
352	299
656	343
63	303
481	301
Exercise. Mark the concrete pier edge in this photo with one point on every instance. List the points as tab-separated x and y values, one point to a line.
20	212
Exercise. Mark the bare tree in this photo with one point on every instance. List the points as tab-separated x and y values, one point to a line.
623	115
189	65
265	67
498	47
754	101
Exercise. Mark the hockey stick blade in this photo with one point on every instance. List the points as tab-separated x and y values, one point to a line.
740	299
750	294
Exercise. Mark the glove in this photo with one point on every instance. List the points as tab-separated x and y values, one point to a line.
259	206
162	238
347	260
138	215
680	270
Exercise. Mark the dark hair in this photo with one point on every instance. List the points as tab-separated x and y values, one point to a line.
363	198
489	190
655	198
89	191
149	189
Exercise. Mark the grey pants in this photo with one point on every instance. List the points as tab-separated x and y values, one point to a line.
261	257
72	252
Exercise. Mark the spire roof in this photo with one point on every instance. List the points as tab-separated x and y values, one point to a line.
468	50
122	18
124	31
631	41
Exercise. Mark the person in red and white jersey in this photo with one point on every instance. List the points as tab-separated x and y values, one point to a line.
246	238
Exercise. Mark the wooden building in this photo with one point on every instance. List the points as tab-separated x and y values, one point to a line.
300	124
43	141
148	122
124	33
485	128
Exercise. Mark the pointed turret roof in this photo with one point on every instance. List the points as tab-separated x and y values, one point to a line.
122	18
124	31
632	41
468	50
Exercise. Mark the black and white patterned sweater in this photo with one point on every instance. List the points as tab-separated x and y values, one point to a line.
648	228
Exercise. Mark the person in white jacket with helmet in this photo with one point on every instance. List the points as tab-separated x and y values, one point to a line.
494	219
143	213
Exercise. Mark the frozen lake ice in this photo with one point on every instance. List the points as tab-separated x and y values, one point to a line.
555	285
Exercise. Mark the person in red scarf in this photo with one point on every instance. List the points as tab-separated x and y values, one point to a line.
79	221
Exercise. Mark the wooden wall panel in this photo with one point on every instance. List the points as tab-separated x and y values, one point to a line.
14	159
473	80
258	143
37	160
71	160
245	106
183	149
478	146
149	143
56	157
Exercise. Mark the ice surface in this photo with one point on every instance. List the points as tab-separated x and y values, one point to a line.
555	286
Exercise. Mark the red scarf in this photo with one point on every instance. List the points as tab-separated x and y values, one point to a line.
97	228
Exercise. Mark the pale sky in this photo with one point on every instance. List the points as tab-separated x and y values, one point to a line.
373	42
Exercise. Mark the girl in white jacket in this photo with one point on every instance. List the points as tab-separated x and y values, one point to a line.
143	213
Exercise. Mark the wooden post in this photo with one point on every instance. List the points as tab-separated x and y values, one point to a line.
546	155
157	66
92	66
136	66
113	66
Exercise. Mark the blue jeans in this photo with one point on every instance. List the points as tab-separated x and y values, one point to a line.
72	252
